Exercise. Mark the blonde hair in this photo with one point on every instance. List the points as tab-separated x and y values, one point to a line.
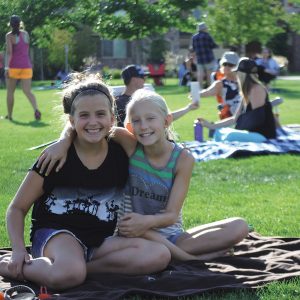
143	95
246	82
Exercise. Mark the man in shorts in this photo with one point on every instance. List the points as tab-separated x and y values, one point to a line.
203	45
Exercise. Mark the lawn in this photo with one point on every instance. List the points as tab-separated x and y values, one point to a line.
263	189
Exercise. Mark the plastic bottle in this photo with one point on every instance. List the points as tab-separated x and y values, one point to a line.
198	131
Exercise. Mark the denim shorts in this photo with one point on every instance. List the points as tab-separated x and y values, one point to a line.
42	236
174	237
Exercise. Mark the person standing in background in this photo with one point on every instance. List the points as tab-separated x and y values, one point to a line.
203	45
18	66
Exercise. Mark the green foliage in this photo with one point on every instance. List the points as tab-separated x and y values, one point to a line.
33	13
136	19
292	18
116	73
56	49
238	22
83	45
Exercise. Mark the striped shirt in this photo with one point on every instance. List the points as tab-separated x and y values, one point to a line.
149	187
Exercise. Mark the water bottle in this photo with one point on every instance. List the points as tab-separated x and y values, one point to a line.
198	131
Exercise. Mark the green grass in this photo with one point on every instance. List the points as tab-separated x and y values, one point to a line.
263	189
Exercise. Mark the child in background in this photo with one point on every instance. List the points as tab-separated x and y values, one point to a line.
75	210
159	176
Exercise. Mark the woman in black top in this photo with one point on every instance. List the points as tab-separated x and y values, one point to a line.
254	113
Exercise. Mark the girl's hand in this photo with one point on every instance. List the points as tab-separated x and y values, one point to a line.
54	153
15	266
205	123
133	225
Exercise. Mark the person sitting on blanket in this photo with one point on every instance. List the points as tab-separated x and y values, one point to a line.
75	210
159	175
253	119
225	89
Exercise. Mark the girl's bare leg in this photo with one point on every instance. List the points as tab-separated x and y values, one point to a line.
62	267
213	237
11	87
129	256
26	86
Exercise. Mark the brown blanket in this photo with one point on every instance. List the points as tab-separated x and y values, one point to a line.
256	262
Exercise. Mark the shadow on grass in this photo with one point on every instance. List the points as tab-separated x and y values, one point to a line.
31	123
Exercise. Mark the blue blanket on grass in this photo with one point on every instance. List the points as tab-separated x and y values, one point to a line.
287	141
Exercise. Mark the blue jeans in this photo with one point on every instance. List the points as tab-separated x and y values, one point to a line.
42	236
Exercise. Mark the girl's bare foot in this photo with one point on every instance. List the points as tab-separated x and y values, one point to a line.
212	255
4	262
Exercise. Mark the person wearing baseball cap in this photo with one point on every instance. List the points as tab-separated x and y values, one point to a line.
254	120
134	79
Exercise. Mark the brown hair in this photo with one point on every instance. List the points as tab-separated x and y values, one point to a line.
83	84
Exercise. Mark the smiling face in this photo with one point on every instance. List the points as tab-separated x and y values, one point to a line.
148	123
92	118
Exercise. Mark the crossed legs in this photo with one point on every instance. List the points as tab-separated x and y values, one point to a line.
63	264
213	239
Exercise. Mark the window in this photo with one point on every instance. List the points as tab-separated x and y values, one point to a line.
115	48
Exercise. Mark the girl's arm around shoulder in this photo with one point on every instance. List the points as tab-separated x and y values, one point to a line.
57	152
126	139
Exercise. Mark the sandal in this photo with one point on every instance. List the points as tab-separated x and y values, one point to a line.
37	115
19	292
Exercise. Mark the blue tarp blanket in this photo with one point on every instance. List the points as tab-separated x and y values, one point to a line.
287	141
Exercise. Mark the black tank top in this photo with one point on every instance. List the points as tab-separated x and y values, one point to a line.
259	120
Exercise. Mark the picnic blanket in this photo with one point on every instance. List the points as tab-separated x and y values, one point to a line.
257	261
287	141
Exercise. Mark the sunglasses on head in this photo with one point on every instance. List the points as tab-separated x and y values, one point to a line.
228	65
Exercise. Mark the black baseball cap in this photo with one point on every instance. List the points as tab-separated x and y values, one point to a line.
133	71
246	65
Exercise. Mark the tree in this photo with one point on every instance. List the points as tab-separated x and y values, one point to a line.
137	19
238	22
292	17
33	13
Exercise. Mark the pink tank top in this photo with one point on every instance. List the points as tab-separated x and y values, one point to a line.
20	54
